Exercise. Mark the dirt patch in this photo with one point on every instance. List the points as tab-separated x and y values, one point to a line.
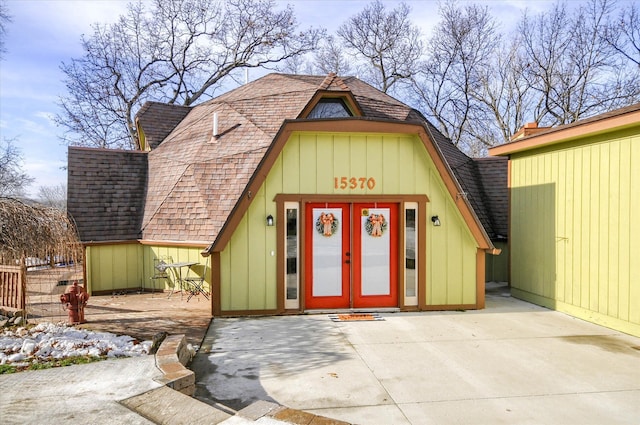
611	343
144	315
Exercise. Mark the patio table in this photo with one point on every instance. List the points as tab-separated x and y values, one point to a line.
176	269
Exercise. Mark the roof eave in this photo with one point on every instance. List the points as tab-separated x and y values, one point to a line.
569	133
458	194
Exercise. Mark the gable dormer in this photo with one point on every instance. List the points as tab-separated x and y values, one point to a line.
333	99
155	121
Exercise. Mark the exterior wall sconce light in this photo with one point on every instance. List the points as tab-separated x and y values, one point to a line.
435	220
269	220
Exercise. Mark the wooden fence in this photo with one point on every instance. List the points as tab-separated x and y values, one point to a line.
13	287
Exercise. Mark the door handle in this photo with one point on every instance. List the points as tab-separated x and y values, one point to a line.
348	260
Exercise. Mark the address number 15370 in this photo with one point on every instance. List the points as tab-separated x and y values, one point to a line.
354	182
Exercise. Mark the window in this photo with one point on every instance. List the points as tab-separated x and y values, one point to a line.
410	251
291	244
330	108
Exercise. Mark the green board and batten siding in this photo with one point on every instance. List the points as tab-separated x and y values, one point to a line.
577	206
497	266
129	266
308	164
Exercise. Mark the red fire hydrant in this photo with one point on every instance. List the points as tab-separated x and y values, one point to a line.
74	300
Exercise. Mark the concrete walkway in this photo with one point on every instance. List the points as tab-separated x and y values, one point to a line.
512	363
80	394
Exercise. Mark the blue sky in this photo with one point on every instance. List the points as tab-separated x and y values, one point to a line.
44	33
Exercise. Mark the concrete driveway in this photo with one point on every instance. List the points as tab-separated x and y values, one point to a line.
512	363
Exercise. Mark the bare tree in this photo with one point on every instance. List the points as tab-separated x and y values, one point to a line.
450	80
505	95
574	71
178	52
623	34
555	69
481	86
5	19
388	42
53	196
295	65
13	181
330	57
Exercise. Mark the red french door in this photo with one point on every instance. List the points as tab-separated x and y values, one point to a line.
375	255
351	255
327	254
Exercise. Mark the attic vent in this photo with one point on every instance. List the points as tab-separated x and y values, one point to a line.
330	108
215	133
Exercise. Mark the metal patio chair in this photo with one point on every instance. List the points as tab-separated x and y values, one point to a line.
195	281
159	271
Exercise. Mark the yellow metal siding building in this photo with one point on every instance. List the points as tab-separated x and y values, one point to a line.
575	218
118	267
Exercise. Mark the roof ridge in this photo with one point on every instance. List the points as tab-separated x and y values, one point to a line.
184	175
399	103
234	91
147	104
165	196
224	101
248	119
333	80
230	155
176	105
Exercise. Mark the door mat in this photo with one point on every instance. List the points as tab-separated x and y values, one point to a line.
355	317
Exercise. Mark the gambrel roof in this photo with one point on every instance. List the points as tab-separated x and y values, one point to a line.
196	178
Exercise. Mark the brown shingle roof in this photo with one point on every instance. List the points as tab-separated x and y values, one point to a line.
484	182
333	82
492	173
248	119
159	119
106	190
195	179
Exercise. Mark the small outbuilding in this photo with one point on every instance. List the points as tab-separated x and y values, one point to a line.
575	217
294	194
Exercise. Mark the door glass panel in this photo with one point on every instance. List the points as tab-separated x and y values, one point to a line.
410	248
291	250
375	251
327	252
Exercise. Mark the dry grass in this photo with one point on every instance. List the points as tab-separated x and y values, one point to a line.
33	231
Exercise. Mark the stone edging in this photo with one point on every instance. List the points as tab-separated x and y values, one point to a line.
171	358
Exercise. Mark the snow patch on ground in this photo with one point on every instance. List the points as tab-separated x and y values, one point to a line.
49	341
